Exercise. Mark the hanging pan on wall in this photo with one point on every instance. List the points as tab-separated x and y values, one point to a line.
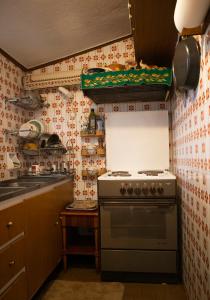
186	64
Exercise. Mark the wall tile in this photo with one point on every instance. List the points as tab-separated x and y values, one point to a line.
191	157
11	117
65	118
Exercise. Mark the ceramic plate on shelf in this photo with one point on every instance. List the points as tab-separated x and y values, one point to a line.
28	130
39	125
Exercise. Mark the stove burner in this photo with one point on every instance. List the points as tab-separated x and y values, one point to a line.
120	173
151	172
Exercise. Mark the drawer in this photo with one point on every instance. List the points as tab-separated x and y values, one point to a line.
18	290
81	221
12	222
11	261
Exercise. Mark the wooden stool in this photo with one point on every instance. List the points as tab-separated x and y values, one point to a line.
80	219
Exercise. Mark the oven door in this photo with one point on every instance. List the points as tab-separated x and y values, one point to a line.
132	225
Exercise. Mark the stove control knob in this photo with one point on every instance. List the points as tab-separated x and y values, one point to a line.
152	189
130	190
137	190
160	189
122	189
145	189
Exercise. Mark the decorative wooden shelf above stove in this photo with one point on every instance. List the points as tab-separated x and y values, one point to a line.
128	93
149	84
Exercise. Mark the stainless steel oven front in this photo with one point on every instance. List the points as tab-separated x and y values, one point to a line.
138	235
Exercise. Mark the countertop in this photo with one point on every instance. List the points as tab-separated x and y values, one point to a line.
16	190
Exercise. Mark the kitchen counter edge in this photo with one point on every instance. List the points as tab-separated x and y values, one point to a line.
32	193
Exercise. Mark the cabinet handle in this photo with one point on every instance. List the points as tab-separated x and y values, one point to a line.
56	223
9	224
11	263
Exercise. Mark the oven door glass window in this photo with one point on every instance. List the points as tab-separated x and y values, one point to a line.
139	226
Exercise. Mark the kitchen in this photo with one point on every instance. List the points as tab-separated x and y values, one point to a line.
65	112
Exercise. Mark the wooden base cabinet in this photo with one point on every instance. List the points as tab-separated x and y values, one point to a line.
13	283
18	290
43	233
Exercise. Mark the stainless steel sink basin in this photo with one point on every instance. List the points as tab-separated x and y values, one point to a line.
9	190
24	184
39	179
19	184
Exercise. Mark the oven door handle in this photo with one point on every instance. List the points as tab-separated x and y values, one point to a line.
134	203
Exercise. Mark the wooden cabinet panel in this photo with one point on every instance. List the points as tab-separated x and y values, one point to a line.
18	290
154	31
63	194
38	210
12	222
82	221
11	261
43	233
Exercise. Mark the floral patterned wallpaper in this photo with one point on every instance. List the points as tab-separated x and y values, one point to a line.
11	117
191	163
65	117
190	144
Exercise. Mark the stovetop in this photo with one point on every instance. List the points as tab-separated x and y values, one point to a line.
137	184
138	175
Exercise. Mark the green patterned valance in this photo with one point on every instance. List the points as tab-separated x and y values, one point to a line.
129	77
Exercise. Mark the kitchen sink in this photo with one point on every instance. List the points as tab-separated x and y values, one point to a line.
9	190
18	184
24	184
40	178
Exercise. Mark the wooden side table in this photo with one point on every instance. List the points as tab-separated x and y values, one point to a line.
82	219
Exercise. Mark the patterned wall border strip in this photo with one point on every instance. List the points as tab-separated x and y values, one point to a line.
39	81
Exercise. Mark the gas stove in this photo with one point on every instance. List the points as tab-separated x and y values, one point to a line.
137	184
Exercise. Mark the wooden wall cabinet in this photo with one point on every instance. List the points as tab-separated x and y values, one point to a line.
154	31
43	233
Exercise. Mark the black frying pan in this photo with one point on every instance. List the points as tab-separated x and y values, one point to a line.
186	64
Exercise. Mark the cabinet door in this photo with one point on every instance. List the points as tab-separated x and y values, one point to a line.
43	247
11	261
18	290
12	222
37	238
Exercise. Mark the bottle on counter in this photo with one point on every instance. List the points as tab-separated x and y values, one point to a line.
92	122
99	125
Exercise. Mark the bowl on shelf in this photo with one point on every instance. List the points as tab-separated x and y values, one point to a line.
91	149
92	172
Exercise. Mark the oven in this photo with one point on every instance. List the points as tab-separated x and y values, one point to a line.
138	225
138	231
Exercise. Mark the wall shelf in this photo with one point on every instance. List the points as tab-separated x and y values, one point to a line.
145	84
155	92
89	176
87	134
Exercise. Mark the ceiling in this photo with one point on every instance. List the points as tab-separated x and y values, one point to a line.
37	32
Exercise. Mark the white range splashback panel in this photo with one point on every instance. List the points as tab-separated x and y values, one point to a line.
137	140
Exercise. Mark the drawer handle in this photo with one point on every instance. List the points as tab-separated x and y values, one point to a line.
56	223
11	263
9	224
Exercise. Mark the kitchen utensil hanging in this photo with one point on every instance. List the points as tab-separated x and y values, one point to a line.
186	64
30	100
